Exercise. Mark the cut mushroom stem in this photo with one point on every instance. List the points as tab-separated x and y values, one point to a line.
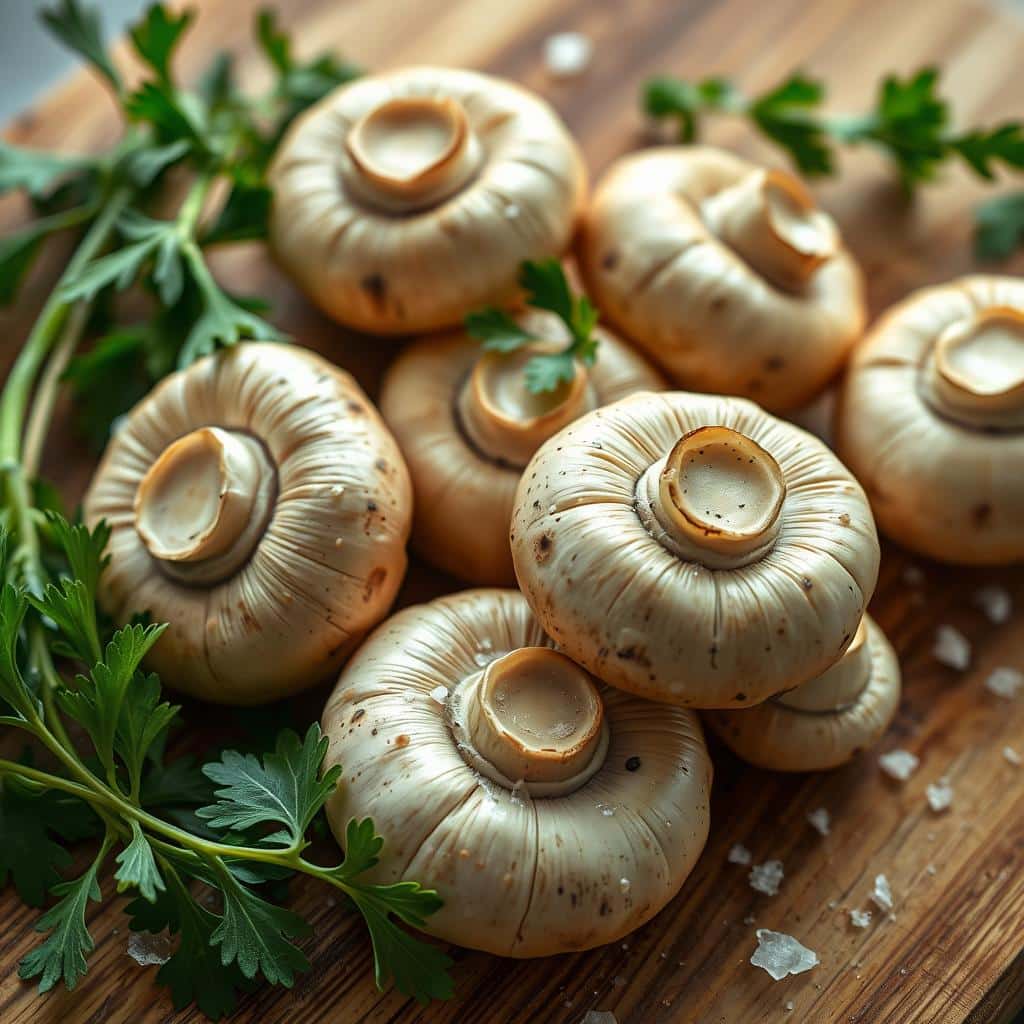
411	152
504	419
840	686
770	219
975	373
716	498
204	503
533	717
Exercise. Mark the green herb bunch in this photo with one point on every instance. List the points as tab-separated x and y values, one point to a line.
201	850
909	121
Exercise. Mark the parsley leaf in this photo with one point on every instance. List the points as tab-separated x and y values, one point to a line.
138	867
141	726
28	855
999	226
244	216
79	28
782	114
496	330
36	171
156	36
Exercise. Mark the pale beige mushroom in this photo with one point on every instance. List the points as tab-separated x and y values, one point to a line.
725	273
259	505
551	813
467	426
826	721
694	549
406	199
931	419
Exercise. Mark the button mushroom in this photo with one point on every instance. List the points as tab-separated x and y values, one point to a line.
258	504
551	813
467	425
826	721
404	200
931	419
693	549
724	272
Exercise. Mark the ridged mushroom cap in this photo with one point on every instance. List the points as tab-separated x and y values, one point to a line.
550	813
931	419
405	199
725	273
467	426
825	722
259	505
694	549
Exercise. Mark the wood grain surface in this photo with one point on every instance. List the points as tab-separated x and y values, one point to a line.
954	949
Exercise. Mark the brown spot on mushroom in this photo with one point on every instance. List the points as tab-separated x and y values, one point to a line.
633	764
740	696
542	548
806	582
374	581
844	519
610	260
981	515
377	288
382	465
355	408
401	740
774	363
357	714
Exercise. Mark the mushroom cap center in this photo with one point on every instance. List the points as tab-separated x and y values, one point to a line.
508	422
203	504
716	498
976	370
535	716
840	686
411	152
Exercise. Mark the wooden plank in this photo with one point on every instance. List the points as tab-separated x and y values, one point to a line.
955	950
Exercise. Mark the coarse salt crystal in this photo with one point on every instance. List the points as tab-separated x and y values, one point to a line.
860	918
932	869
781	955
939	795
739	854
789	1006
820	820
882	893
952	648
146	949
899	764
439	694
767	877
996	603
567	54
1005	682
1011	755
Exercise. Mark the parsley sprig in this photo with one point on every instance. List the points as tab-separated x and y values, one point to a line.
546	287
908	121
97	767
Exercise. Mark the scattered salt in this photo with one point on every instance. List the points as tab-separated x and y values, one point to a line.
567	54
789	1006
899	764
1005	682
781	955
439	694
912	576
940	795
625	885
511	211
739	854
952	648
882	893
749	919
606	810
820	820
860	918
1011	755
996	603
931	869
766	877
146	949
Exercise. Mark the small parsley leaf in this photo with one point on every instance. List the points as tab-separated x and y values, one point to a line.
79	28
156	36
999	226
35	171
138	867
496	330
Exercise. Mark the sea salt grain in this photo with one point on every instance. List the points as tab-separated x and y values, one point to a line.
819	819
996	603
882	893
146	949
1011	755
940	795
952	648
439	694
899	764
781	955
567	54
767	877
1005	682
600	1017
860	918
739	854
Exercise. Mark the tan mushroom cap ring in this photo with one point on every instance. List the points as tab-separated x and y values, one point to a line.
550	812
259	505
693	549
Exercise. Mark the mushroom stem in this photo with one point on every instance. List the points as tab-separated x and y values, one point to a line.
715	499
411	152
534	716
840	686
770	219
507	422
204	503
975	372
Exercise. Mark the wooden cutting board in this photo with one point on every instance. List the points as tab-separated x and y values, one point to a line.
954	950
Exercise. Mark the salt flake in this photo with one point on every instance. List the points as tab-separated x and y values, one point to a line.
739	854
996	603
567	54
940	795
899	764
860	918
1005	682
781	955
1011	755
820	820
439	694
147	950
882	893
767	877
952	648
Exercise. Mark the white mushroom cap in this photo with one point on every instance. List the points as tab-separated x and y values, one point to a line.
467	426
825	722
259	505
931	419
605	820
406	199
725	273
693	549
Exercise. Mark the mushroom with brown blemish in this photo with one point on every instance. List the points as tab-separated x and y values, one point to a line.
550	813
405	199
826	721
700	551
258	503
725	273
931	419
